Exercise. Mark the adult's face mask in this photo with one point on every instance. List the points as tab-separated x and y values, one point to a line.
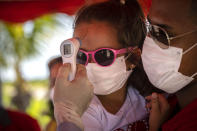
107	80
162	65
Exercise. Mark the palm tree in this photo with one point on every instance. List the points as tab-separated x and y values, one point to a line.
17	44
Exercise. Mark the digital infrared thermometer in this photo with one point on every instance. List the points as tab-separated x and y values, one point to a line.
69	49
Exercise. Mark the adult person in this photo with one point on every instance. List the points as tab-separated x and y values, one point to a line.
170	60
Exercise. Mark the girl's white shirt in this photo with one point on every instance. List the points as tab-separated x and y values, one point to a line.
97	118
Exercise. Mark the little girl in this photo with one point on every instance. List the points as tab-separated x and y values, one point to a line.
111	34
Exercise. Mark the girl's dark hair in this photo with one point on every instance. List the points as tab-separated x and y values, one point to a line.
129	22
127	19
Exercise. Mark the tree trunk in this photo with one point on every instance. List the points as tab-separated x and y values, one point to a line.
22	98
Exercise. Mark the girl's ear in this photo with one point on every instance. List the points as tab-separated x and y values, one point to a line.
133	58
137	51
132	66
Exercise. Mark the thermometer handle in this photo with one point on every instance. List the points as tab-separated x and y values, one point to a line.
69	55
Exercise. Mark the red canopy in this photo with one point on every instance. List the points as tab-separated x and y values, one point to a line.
23	10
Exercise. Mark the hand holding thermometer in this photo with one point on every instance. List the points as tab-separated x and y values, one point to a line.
69	49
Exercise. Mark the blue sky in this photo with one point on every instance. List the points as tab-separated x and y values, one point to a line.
36	67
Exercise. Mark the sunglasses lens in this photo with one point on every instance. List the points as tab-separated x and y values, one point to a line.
159	34
81	58
104	57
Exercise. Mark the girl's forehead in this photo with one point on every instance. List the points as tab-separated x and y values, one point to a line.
96	35
94	26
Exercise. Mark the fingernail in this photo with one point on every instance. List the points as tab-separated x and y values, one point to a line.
154	95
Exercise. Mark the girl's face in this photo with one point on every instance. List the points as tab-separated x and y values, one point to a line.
96	35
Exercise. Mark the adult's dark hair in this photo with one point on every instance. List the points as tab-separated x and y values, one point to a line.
194	11
128	20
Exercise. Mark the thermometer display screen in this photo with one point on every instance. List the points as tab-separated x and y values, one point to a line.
67	49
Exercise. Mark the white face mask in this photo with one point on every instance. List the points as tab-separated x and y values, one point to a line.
162	65
107	80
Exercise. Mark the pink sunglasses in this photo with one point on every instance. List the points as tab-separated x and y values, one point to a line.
102	56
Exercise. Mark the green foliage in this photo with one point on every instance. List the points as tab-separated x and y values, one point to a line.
17	44
42	83
37	110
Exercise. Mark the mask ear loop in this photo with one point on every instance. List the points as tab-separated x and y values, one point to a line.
194	75
188	51
130	52
128	56
189	48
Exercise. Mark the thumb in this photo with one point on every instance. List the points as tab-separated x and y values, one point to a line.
61	81
81	71
155	103
64	71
